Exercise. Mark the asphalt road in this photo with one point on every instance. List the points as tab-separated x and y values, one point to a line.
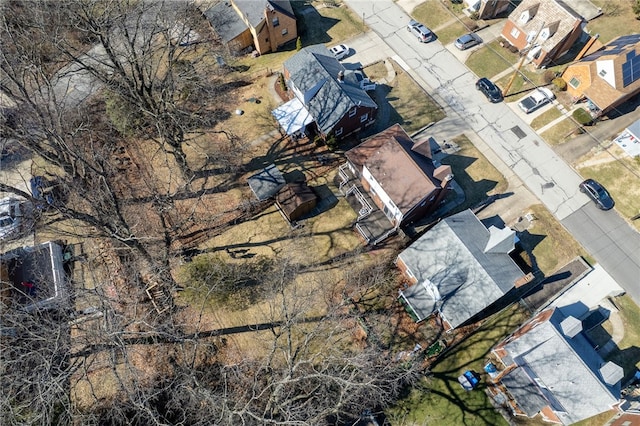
605	235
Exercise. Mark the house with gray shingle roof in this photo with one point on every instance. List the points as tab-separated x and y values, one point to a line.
544	30
333	96
551	370
458	269
264	24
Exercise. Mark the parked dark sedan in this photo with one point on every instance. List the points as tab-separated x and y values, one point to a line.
489	89
597	193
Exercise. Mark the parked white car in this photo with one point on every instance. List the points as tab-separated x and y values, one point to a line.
10	217
340	51
541	96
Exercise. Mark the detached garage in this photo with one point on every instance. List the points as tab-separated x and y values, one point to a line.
296	199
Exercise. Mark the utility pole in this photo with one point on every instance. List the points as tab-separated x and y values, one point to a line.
524	56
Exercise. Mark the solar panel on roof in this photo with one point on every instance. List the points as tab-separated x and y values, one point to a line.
615	47
631	69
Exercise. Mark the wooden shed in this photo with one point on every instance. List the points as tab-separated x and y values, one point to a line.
296	199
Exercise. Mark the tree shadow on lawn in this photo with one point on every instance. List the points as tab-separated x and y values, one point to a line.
313	28
475	191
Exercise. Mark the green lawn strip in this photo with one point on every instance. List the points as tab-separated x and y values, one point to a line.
522	85
441	400
621	180
474	173
627	354
545	118
552	246
412	107
451	32
616	20
491	59
432	13
560	132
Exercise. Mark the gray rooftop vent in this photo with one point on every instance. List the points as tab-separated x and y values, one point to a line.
571	326
611	373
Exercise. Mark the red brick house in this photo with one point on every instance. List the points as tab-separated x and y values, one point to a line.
265	25
544	30
395	180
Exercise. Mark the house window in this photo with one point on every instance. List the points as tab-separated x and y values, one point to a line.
515	33
338	132
353	112
276	21
574	82
602	73
524	17
364	118
544	34
409	273
285	31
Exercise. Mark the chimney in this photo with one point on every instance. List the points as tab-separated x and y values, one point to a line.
523	280
340	76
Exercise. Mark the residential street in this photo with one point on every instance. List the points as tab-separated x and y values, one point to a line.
605	235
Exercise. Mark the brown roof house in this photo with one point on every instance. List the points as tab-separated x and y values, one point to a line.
330	101
265	25
608	77
551	369
392	181
296	199
487	9
544	30
458	269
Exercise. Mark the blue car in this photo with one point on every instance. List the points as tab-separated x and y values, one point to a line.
469	380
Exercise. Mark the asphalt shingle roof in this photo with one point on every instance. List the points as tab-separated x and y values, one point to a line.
457	272
566	370
314	72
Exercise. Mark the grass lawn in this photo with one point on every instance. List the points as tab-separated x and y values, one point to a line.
525	81
451	32
617	19
628	354
560	132
412	107
619	176
474	173
551	244
441	400
491	59
432	13
545	118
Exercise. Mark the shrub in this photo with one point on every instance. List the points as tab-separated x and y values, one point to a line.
560	84
298	44
548	76
583	117
332	143
512	49
283	84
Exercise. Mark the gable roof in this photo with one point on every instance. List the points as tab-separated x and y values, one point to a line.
404	175
566	370
225	21
459	269
253	10
313	72
294	195
552	14
266	183
620	61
